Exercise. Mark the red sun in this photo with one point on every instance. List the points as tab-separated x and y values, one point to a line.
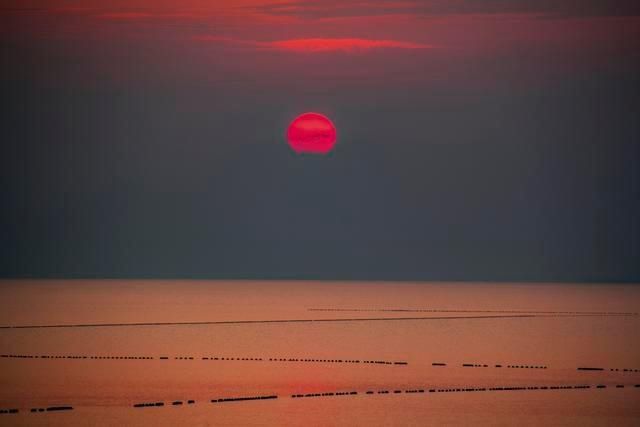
311	133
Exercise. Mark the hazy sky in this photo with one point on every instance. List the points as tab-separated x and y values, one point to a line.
477	140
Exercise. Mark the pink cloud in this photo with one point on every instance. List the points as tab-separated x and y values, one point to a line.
125	16
344	45
322	44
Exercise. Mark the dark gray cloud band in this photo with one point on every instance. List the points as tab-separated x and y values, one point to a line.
546	8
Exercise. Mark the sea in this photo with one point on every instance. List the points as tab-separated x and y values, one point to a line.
317	353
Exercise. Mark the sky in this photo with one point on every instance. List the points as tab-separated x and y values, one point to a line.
476	140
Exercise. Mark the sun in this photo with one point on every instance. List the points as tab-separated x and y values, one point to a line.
311	133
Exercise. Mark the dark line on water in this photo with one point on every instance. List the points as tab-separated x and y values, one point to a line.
242	399
148	405
249	322
59	408
420	310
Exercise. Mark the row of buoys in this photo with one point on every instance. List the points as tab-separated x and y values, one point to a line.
327	394
459	390
476	365
281	359
243	359
157	404
296	359
584	368
373	362
444	390
147	405
49	409
343	393
45	356
218	358
239	399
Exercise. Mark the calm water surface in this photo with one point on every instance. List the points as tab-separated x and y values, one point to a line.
329	337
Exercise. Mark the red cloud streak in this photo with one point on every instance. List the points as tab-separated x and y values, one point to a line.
346	45
322	44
